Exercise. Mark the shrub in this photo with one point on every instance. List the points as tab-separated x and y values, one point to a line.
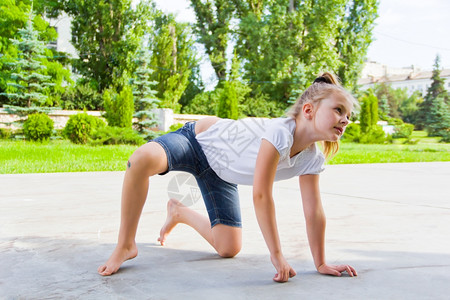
116	135
445	137
5	133
395	121
228	102
80	127
352	133
38	127
119	108
403	131
203	104
375	135
175	127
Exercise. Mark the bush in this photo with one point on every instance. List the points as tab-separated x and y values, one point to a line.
82	96
375	135
38	127
403	131
228	102
445	137
203	104
395	121
115	136
352	133
80	127
119	108
5	133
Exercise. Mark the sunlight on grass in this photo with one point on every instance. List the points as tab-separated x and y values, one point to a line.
62	156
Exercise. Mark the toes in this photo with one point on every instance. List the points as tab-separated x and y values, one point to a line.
101	268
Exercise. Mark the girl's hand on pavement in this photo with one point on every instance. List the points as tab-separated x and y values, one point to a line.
336	270
284	270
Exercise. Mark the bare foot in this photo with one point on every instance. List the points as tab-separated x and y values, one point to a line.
116	259
171	221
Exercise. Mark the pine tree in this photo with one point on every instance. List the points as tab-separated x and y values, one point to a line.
384	109
438	119
426	119
29	82
144	97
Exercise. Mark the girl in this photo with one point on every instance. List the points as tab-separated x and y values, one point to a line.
222	153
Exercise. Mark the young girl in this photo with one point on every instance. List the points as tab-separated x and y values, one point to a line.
223	153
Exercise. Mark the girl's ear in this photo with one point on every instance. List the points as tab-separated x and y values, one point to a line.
308	110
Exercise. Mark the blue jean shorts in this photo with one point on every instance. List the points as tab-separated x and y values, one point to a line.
184	153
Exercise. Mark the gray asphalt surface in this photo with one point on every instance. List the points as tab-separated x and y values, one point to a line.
390	221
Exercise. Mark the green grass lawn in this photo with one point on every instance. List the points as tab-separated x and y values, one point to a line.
63	156
352	153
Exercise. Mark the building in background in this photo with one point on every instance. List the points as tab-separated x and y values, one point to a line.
62	25
411	78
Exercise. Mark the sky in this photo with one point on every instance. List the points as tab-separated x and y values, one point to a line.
407	32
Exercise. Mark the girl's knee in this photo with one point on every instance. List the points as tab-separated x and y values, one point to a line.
149	158
229	251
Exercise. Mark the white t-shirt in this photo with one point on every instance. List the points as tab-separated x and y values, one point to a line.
231	148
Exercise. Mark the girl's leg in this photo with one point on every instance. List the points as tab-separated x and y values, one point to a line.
226	240
148	160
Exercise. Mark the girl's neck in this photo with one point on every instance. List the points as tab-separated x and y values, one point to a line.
303	136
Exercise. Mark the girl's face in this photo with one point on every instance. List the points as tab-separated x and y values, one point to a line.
331	117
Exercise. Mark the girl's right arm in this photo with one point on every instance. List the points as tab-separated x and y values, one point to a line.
266	166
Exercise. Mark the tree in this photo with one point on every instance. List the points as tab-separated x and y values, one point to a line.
410	106
213	30
119	108
173	56
428	113
29	83
228	102
438	119
144	96
354	38
369	112
106	35
233	93
14	15
285	44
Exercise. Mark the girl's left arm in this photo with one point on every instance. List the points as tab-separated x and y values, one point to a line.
315	226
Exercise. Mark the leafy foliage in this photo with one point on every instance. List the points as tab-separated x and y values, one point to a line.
80	127
354	39
285	44
172	58
81	96
144	96
228	102
116	135
352	133
38	127
203	103
119	108
434	112
107	35
369	112
29	82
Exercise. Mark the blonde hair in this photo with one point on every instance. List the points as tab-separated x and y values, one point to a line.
323	86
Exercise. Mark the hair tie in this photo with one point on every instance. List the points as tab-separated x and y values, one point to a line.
320	79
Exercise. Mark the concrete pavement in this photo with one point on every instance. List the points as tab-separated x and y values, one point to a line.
390	221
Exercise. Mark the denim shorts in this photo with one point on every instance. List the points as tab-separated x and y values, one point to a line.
184	153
